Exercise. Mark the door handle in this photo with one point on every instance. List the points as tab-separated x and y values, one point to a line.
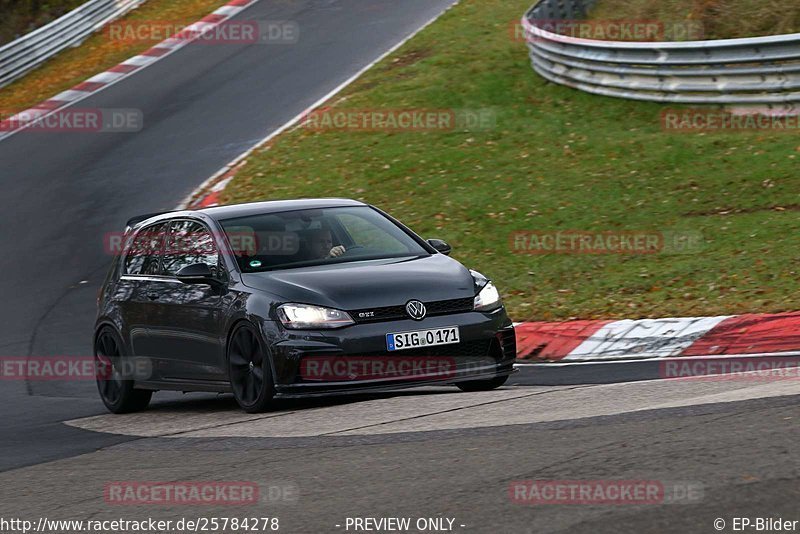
152	296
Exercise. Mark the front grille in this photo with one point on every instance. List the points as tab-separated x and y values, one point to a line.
508	341
393	313
465	349
461	358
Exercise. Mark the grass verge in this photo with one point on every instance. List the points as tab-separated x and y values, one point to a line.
98	53
719	19
22	16
557	160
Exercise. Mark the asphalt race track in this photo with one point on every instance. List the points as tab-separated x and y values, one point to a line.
63	192
438	453
427	453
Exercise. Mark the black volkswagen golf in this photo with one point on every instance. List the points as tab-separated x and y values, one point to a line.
292	298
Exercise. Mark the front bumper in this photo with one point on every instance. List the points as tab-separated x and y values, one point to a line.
487	350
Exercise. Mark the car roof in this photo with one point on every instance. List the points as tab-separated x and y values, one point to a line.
242	210
275	206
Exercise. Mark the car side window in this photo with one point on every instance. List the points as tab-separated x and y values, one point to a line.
144	255
190	242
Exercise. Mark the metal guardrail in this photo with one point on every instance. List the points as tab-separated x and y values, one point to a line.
34	48
757	70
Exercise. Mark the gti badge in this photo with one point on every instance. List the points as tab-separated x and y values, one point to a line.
416	310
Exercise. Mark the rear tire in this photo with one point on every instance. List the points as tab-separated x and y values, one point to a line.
117	394
249	370
482	385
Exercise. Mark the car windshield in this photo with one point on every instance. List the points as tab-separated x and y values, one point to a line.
301	238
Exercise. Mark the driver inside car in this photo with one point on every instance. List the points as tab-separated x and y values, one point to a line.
321	245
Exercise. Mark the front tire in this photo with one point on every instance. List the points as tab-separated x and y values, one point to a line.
117	394
482	385
249	371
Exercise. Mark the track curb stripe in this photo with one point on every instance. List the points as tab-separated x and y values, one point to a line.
659	338
750	334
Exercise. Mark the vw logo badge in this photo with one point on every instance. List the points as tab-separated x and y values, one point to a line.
416	310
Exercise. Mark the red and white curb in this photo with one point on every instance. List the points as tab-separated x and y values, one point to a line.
736	335
29	117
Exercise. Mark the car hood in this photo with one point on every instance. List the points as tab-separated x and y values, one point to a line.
368	284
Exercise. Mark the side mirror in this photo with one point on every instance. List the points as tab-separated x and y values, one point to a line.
440	246
198	273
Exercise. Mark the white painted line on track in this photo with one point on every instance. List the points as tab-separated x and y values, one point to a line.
582	403
71	95
181	421
445	411
227	11
106	77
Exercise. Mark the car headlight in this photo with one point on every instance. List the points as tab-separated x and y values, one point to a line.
307	316
488	298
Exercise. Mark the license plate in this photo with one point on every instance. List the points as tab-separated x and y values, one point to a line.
422	338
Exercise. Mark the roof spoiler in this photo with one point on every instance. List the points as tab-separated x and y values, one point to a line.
133	221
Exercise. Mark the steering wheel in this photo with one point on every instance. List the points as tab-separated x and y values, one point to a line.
354	247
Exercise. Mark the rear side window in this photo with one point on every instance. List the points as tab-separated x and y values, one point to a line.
145	251
189	242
